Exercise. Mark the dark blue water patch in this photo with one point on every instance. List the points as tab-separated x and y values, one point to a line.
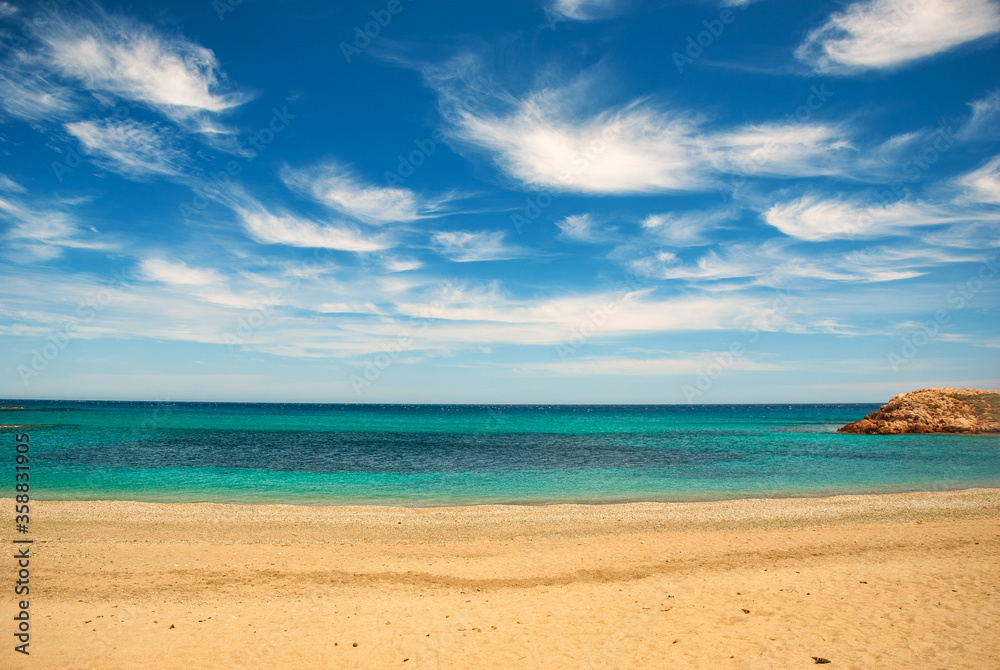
816	428
39	408
305	451
474	454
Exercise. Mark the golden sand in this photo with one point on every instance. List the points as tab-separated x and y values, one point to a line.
891	581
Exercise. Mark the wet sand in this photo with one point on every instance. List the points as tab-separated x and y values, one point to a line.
907	580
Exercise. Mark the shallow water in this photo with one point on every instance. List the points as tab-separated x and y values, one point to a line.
475	454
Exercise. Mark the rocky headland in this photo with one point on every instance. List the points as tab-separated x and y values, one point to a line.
944	410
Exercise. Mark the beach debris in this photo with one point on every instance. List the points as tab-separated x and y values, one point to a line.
746	611
171	626
820	660
355	644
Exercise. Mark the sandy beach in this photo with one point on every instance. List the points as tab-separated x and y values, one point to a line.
890	581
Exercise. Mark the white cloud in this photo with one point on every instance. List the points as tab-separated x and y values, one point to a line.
294	231
29	95
348	308
781	149
9	185
178	272
551	140
985	120
130	148
976	235
44	234
474	318
400	264
632	150
685	229
813	218
778	264
465	247
126	58
177	305
983	185
7	9
583	228
689	364
583	10
877	34
334	186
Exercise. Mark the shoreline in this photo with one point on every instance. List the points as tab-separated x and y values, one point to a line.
817	495
872	581
735	514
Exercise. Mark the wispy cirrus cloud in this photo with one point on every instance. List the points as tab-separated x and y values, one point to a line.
784	264
552	139
32	96
9	185
118	55
880	34
983	185
291	230
131	148
584	10
584	228
681	364
686	229
984	123
334	185
817	218
631	150
781	149
204	284
471	246
178	273
44	234
77	51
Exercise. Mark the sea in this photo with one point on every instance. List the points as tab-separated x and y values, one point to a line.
434	455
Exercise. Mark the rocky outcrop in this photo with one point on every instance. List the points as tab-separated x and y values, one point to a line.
945	410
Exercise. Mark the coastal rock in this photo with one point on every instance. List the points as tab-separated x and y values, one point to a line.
944	410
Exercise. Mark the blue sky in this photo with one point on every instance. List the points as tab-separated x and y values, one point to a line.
527	201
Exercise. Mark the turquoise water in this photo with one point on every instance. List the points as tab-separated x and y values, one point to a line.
473	454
